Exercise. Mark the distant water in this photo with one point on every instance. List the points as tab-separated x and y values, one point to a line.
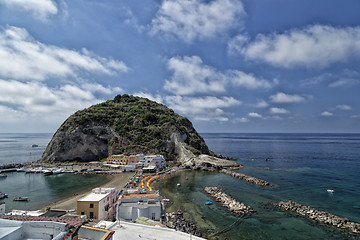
302	167
41	190
17	147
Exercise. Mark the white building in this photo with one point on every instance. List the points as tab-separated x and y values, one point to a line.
18	230
136	205
152	160
2	207
99	204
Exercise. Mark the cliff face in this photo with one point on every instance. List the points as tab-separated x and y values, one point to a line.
125	125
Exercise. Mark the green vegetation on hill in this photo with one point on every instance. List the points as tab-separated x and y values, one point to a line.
141	126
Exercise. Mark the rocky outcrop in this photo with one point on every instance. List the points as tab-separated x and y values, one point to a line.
319	216
199	162
79	144
228	202
130	125
247	178
177	221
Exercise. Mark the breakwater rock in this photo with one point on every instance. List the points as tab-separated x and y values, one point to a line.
247	178
177	222
228	202
319	216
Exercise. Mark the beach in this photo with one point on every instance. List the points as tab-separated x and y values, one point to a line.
117	181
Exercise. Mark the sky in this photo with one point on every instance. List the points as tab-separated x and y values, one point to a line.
227	65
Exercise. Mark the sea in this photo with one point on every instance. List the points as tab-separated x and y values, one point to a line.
41	190
301	167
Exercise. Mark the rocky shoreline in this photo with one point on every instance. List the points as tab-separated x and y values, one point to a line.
176	221
319	216
247	178
228	202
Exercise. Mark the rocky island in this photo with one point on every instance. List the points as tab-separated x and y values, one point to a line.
131	125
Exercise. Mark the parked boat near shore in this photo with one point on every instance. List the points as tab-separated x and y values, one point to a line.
21	199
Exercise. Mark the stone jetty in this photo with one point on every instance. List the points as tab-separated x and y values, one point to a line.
228	202
177	222
319	216
247	178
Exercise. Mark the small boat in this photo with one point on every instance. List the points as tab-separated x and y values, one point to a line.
178	184
34	145
47	172
3	195
21	169
57	171
21	199
3	175
330	190
208	203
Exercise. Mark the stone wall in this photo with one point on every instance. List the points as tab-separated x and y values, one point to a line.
319	216
247	178
228	202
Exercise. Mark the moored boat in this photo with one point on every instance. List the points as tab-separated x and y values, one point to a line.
20	198
3	175
3	195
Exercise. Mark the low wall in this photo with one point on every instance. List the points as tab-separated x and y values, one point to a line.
228	202
319	216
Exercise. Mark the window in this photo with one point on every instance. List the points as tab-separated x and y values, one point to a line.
91	214
91	205
82	213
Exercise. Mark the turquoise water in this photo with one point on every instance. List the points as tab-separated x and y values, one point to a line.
302	167
43	190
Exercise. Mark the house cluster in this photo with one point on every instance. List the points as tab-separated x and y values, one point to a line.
148	163
106	204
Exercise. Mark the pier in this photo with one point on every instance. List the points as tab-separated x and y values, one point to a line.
247	178
319	216
227	201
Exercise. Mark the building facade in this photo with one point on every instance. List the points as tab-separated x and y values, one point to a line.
134	205
99	204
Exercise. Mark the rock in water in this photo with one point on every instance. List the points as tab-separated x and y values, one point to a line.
125	125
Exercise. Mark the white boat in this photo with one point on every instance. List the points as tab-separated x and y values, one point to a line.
58	171
21	169
178	184
330	190
21	199
47	172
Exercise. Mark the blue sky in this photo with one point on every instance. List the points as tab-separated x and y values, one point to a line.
227	65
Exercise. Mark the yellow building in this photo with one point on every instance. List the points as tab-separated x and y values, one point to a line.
99	204
118	159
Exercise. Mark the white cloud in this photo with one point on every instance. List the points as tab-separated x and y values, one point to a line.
260	104
98	88
312	46
239	78
35	98
275	110
23	58
254	115
286	98
327	114
40	9
198	105
191	75
343	107
197	19
157	98
242	120
345	82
